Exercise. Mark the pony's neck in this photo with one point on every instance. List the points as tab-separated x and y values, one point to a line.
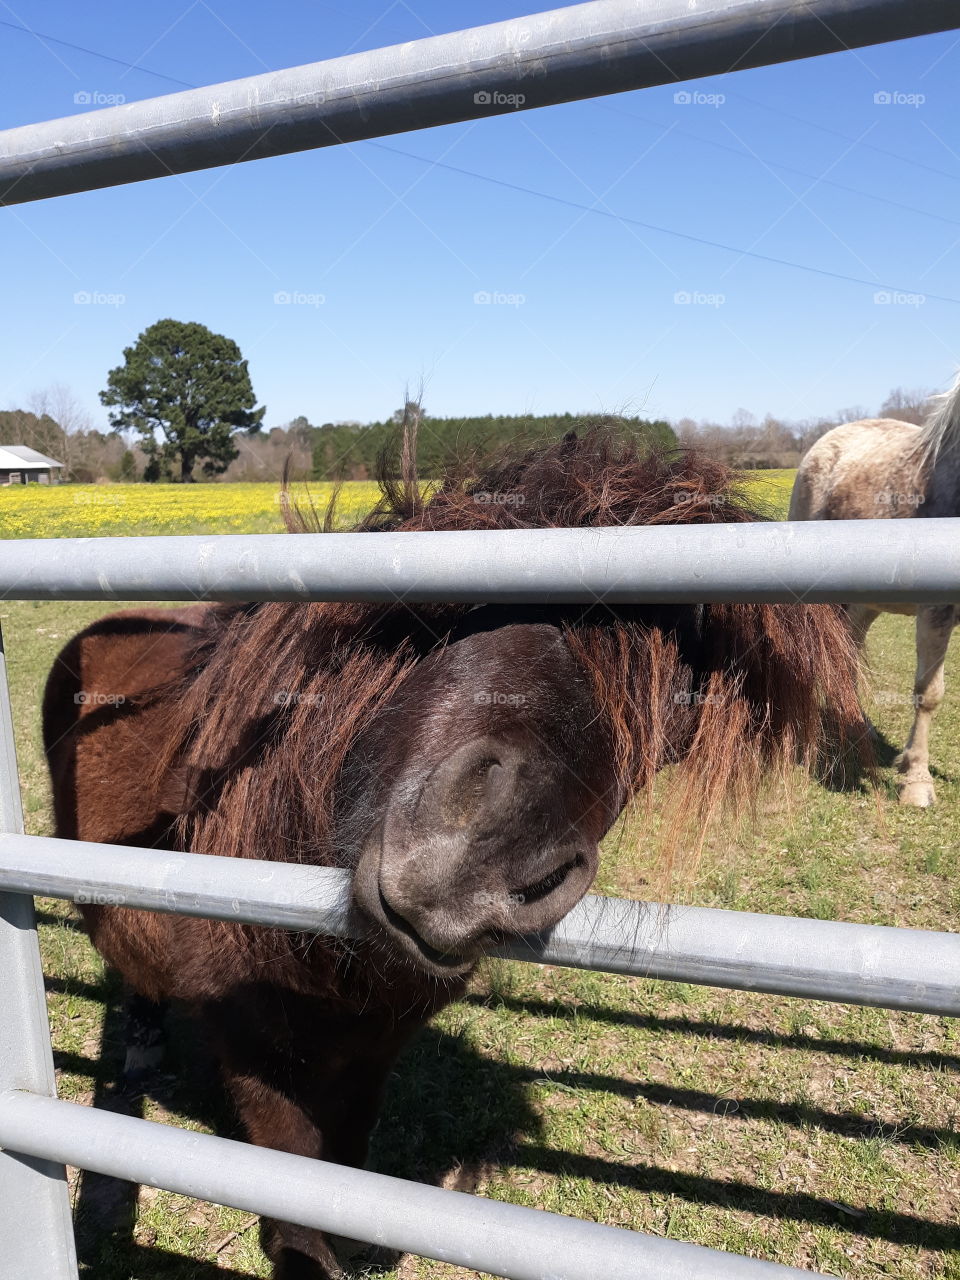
940	433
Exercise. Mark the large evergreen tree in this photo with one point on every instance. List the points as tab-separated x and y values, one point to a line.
186	392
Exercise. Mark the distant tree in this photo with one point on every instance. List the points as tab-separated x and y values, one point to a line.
810	430
412	411
186	392
906	406
36	431
686	431
850	413
301	431
65	438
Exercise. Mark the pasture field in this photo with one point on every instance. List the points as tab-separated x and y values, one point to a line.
771	490
818	1135
102	510
97	511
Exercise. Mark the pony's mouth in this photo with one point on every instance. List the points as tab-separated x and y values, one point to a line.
450	963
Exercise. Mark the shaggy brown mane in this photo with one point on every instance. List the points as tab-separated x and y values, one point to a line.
732	692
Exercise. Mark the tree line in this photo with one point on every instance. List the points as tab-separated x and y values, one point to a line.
182	402
351	449
749	443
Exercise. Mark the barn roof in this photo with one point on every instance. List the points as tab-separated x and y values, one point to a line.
14	457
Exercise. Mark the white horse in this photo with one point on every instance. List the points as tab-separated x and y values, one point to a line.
879	467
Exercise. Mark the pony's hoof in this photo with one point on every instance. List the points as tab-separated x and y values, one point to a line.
920	795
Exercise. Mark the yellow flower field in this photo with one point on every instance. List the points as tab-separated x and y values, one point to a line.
771	490
91	511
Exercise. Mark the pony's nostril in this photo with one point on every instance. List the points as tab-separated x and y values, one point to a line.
480	786
546	885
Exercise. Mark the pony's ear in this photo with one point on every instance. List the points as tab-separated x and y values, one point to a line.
568	442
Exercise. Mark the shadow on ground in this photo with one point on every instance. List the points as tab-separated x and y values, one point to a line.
451	1115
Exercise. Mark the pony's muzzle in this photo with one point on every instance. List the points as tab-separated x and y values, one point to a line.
484	847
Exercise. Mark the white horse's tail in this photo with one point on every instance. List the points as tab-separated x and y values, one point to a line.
940	432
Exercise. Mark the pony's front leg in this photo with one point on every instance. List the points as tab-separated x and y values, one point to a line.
330	1120
934	625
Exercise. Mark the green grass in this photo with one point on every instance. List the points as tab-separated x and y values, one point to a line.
817	1135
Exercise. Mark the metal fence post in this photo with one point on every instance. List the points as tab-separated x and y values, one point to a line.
36	1230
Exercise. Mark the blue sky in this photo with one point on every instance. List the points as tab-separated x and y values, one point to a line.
797	162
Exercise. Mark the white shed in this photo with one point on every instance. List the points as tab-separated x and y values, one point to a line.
20	465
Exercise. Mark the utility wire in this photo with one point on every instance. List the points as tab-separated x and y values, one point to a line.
94	53
666	231
786	168
585	208
837	133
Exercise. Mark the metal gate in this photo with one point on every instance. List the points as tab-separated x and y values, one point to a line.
601	47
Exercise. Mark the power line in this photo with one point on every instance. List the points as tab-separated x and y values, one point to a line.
666	231
606	213
837	133
94	53
777	164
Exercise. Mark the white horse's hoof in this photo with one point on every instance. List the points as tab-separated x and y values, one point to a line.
920	795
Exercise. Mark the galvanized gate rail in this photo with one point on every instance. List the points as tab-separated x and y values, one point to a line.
893	968
582	51
913	969
605	46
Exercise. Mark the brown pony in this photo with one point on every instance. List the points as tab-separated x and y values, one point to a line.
461	763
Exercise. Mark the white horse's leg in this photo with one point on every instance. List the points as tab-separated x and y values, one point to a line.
934	625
